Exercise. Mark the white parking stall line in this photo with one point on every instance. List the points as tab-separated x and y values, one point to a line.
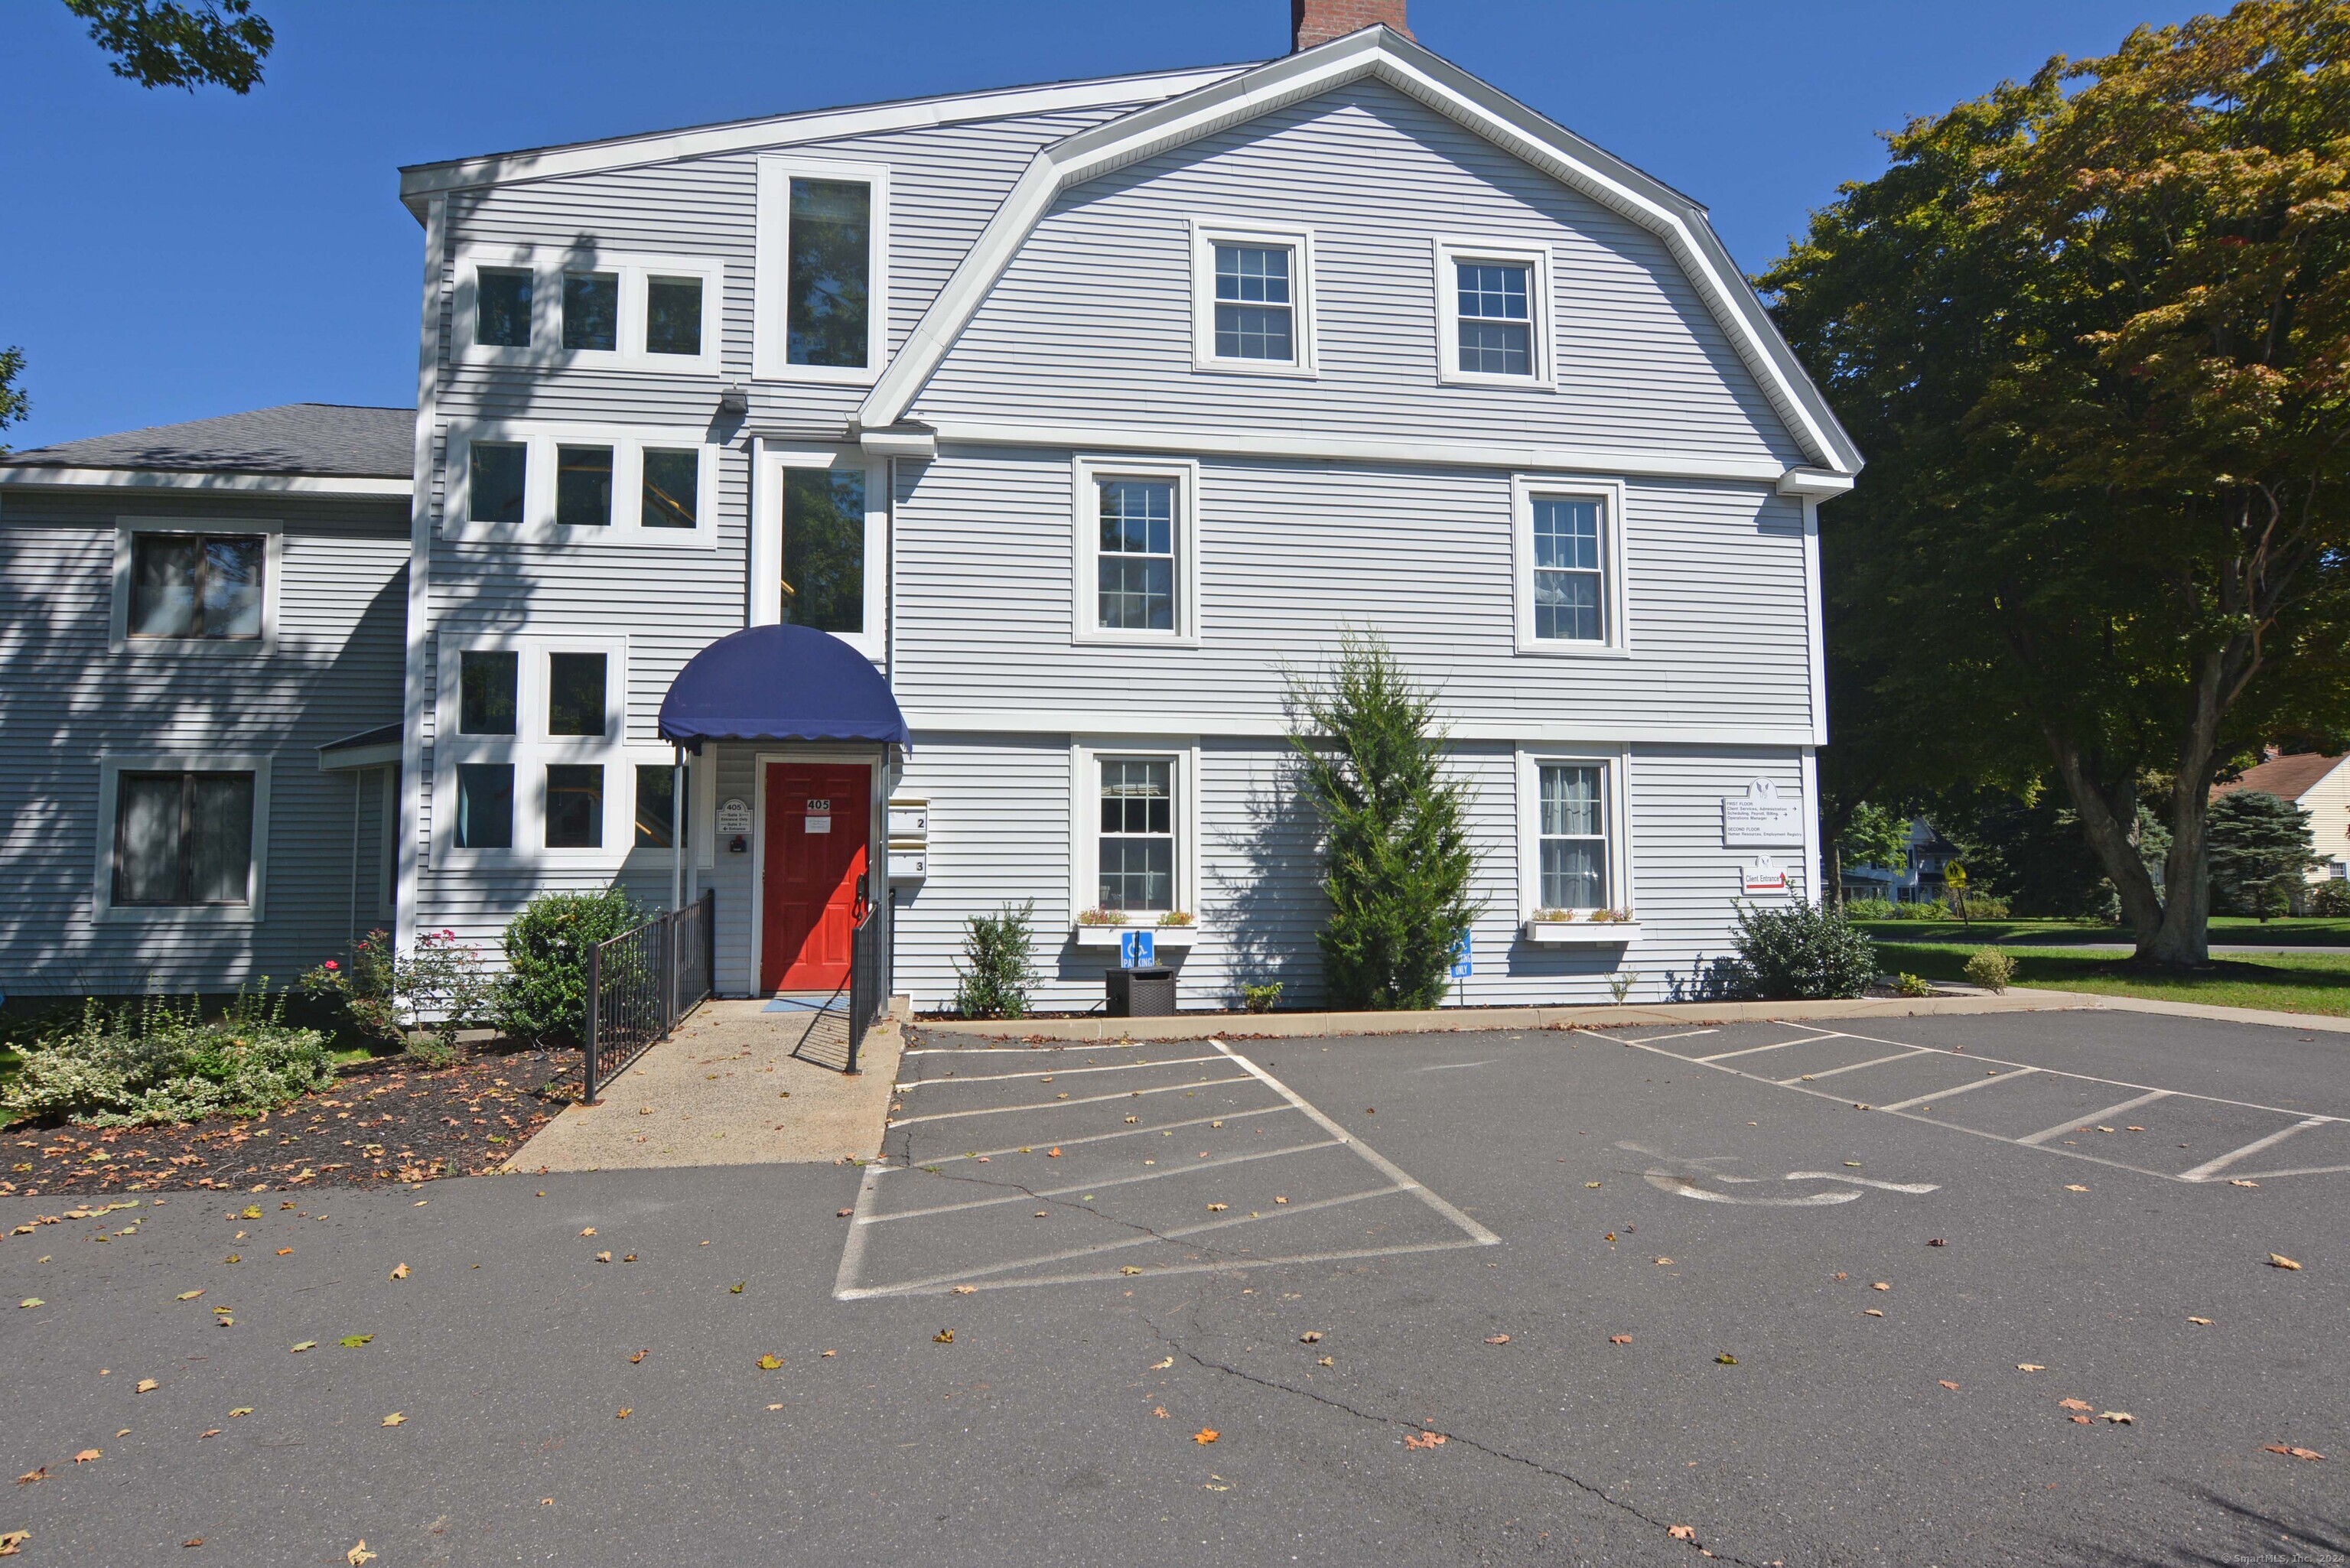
1055	1073
1061	1105
1153	1270
1752	1050
2074	1124
1095	1248
1982	1083
929	1162
1656	1039
1852	1067
2212	1166
1041	1051
1025	1194
2299	1171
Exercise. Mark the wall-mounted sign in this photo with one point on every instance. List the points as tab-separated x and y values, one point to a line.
1763	875
734	815
910	819
1136	949
1463	963
819	817
1762	816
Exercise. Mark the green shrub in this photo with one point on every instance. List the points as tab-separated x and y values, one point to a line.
2331	900
1991	968
1907	984
993	979
1397	858
1871	909
1976	907
1801	952
1261	998
155	1061
382	996
544	997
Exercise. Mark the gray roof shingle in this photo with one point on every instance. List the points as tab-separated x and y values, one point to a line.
324	439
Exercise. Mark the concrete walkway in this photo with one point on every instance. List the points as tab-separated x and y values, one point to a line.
734	1085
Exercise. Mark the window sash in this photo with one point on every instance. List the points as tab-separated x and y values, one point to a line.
502	307
488	691
1135	853
1135	578
1571	836
197	586
1495	317
655	785
1569	582
485	805
497	481
830	267
573	814
591	311
183	839
1254	303
670	481
578	694
823	549
673	315
583	486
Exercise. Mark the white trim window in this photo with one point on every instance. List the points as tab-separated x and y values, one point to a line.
1135	828
1252	300
526	305
195	585
1493	313
530	758
1573	853
1137	550
819	551
182	838
1569	563
821	285
575	484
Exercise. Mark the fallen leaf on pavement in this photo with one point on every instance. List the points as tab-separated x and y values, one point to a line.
1162	1366
306	1345
1424	1440
2074	1187
1619	1339
1328	1361
147	1386
1052	1154
775	1407
12	1541
194	1541
1127	1268
1938	1242
2295	1453
2073	1405
32	1302
284	1252
831	1353
768	1362
1160	1411
1205	1436
2239	1181
623	1413
2118	1417
358	1554
1132	1120
394	1419
736	1288
2030	1366
1726	1359
251	1211
590	1231
399	1271
1872	1312
944	1336
2203	1322
1281	1200
1220	1208
240	1410
2078	1420
1497	1339
1681	1533
844	1213
1664	1262
1311	1336
1881	1285
1949	1385
187	1296
87	1455
29	1477
2278	1261
353	1341
603	1257
210	1432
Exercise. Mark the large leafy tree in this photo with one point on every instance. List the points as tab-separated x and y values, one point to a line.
160	43
2093	331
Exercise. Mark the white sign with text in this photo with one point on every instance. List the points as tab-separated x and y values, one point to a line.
1762	816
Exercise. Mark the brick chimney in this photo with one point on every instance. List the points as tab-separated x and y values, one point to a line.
1313	22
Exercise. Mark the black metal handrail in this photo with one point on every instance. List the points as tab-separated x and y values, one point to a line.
641	982
867	984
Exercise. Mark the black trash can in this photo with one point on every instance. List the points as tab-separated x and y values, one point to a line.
1143	993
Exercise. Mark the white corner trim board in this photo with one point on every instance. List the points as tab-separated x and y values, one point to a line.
1373	53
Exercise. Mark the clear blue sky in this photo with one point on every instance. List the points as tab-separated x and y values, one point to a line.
166	257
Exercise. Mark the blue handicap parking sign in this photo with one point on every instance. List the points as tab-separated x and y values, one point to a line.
1135	950
1461	967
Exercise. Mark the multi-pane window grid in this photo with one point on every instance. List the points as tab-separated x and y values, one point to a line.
1252	304
183	838
1138	834
1136	563
1496	324
1567	573
1573	838
191	586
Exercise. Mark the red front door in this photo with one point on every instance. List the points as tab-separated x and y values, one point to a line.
816	821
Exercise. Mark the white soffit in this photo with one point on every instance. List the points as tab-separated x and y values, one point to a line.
1375	52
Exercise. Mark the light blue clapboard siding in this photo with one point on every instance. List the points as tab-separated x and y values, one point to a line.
1291	553
66	699
1092	322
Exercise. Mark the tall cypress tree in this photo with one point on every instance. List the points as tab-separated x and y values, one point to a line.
1396	861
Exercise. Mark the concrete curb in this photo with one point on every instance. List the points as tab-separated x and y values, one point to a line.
2327	1022
1283	1025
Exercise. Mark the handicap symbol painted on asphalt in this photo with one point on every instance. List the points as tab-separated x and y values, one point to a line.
1690	1180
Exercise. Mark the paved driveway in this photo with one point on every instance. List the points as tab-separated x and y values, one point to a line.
1676	1328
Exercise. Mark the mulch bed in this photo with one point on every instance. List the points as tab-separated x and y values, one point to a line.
382	1122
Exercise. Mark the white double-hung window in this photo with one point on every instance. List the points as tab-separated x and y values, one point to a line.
1493	313
1569	558
1572	850
1253	299
1134	831
1137	552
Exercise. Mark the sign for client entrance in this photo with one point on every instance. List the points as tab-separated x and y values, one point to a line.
1760	817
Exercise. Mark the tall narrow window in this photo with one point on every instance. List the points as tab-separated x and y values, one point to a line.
1494	318
496	473
1138	834
486	690
657	809
1134	566
485	805
575	805
1568	571
1572	836
196	586
672	474
574	694
824	547
583	486
829	287
1253	305
673	316
502	307
183	839
591	310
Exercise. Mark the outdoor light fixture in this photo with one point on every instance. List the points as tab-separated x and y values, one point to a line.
733	403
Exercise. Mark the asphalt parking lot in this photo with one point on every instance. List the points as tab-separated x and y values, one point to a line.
1631	1291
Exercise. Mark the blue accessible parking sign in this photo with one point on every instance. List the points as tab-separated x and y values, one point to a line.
1135	950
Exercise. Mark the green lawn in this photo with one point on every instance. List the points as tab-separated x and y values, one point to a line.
2309	931
2286	983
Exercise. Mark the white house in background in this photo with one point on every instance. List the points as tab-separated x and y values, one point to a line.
1070	418
2320	785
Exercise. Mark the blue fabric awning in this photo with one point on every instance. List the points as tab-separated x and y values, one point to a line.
781	683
